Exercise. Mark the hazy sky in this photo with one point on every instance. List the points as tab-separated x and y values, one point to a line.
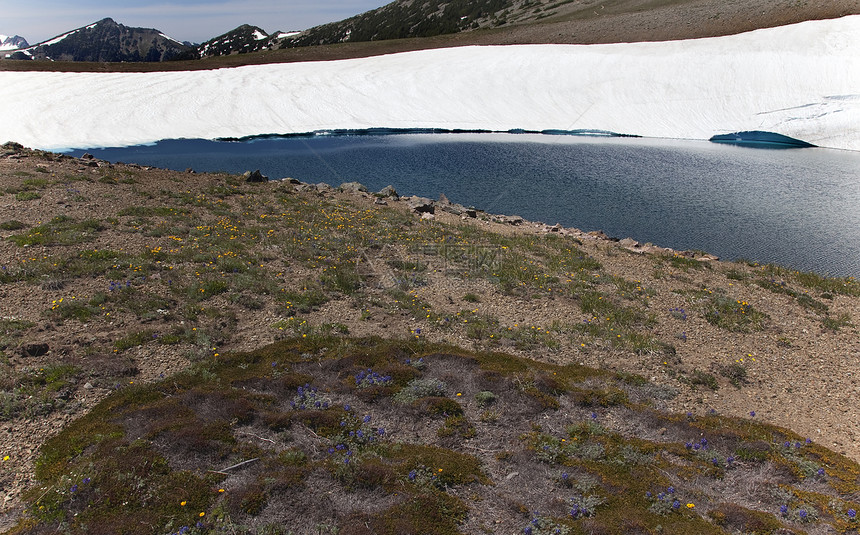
186	20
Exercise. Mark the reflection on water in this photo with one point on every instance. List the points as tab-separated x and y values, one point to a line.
799	208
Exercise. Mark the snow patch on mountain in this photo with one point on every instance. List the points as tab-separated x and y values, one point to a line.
13	42
802	81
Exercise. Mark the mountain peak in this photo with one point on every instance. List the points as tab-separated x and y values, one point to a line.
109	41
14	42
241	40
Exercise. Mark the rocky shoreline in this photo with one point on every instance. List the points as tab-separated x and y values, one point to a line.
796	367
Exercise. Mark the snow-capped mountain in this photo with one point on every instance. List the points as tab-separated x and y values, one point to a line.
13	42
106	40
244	39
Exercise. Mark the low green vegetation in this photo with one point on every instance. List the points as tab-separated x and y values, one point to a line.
325	433
240	440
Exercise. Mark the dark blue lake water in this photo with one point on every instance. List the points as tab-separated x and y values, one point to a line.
799	208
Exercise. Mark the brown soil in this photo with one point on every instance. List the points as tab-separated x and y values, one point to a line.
801	375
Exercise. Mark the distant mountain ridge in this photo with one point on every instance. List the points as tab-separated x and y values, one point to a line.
413	24
108	41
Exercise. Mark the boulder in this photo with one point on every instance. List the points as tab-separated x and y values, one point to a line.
34	350
12	145
421	205
389	191
352	187
256	176
456	209
322	187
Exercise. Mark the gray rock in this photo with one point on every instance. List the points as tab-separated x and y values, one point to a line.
34	350
456	209
389	191
352	187
421	205
14	146
508	219
256	176
323	187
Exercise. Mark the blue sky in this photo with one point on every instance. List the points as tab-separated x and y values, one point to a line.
187	20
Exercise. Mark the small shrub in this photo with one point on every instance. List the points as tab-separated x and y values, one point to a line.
12	224
698	377
421	388
27	196
733	314
440	406
485	397
836	323
134	339
736	373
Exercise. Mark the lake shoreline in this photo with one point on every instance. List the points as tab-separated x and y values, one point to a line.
94	254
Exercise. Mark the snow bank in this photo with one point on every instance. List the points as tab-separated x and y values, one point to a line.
801	81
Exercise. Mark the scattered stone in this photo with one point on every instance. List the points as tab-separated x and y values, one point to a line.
352	187
599	234
87	156
389	191
322	187
380	202
443	199
12	145
629	242
707	258
293	181
256	176
190	171
427	216
34	350
421	205
507	219
456	209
